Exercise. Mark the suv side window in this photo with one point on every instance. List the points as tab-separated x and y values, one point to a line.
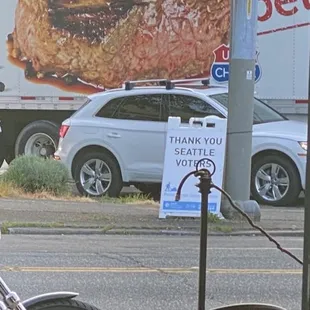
109	108
141	108
188	106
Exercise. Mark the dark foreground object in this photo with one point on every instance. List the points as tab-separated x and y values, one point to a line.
250	307
205	185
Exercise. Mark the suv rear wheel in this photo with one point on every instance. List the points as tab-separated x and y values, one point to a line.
97	174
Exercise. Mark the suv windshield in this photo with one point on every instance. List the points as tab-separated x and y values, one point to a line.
262	112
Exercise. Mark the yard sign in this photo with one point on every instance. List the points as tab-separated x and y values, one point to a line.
186	144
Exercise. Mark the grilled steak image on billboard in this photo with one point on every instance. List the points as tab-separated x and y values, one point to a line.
104	42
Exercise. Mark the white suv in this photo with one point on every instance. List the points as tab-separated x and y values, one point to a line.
118	138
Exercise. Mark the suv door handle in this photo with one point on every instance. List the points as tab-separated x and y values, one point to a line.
114	135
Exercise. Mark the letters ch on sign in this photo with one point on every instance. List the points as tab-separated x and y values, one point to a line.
282	7
222	73
220	66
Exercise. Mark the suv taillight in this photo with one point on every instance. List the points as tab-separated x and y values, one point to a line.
63	130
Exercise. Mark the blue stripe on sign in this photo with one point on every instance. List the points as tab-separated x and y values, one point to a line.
186	206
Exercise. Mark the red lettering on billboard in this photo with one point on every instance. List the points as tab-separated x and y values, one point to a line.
279	5
268	11
306	4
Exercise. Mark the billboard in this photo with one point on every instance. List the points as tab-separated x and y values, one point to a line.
86	46
59	47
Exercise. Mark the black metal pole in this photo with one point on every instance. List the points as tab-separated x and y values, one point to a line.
205	184
306	259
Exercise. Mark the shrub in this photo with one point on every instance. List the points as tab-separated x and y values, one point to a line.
36	174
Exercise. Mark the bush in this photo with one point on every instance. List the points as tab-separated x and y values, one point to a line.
36	174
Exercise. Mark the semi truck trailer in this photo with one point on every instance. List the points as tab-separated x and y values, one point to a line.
53	53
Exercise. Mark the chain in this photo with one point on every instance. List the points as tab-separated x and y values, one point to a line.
205	173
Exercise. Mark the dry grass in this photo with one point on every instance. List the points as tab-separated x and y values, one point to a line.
32	177
48	196
129	199
8	190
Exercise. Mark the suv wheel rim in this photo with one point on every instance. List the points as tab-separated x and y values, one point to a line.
95	177
272	182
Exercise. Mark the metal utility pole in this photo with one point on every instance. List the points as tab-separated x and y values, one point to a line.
244	15
306	259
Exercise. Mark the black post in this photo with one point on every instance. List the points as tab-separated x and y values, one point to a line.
204	185
306	259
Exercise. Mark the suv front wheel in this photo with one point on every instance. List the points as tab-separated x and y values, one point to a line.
97	174
275	181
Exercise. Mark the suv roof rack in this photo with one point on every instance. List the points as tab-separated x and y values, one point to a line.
170	84
129	85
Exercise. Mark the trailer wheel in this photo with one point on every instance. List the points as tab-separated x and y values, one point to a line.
39	138
2	148
9	154
2	87
9	157
1	160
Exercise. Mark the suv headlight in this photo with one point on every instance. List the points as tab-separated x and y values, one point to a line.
304	145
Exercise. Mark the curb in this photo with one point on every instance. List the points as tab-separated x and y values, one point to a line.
92	231
273	233
95	231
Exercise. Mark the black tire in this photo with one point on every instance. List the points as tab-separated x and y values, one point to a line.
46	127
2	148
10	155
152	189
1	160
2	87
62	304
116	185
249	306
294	187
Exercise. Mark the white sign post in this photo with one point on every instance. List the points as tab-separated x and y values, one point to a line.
186	144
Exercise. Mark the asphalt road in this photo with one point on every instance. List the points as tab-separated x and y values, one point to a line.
152	272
